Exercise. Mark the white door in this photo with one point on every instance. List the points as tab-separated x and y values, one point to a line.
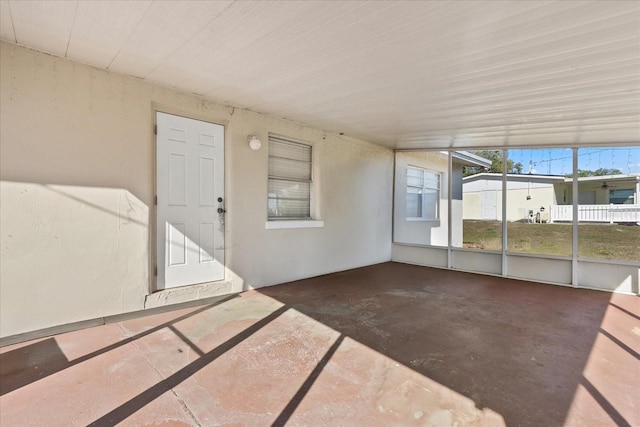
190	194
489	204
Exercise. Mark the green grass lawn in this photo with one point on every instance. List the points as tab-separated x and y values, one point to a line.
609	241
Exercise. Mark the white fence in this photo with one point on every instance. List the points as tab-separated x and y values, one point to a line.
596	213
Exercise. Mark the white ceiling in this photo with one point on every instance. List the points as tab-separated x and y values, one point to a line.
403	74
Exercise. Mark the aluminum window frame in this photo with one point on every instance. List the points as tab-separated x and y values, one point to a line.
421	191
282	142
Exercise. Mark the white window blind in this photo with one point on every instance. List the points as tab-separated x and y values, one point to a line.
290	179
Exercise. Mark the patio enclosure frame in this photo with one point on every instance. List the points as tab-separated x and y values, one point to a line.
590	273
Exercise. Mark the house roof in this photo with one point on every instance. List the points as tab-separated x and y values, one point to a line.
470	159
555	178
431	74
620	177
513	177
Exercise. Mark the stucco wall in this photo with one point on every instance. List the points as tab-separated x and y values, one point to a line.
421	231
353	189
77	185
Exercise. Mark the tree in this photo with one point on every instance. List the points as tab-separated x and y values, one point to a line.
598	172
495	156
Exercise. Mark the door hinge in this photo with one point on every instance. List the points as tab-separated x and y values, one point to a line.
155	270
155	129
155	200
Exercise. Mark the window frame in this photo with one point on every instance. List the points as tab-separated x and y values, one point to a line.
629	200
295	221
421	192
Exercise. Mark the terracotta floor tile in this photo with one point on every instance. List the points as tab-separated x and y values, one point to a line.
390	344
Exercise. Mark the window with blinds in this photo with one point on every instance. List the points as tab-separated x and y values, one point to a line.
423	193
290	179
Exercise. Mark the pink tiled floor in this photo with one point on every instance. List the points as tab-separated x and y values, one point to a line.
389	344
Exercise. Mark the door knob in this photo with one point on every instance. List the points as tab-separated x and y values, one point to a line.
220	210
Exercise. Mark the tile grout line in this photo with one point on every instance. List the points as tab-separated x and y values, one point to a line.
181	401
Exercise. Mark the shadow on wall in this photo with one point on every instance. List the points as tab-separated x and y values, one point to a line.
627	282
70	253
22	195
91	249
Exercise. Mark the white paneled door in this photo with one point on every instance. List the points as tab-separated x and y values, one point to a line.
489	204
190	201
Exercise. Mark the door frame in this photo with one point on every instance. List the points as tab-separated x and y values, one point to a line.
153	207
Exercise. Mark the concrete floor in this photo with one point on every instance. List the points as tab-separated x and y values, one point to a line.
389	344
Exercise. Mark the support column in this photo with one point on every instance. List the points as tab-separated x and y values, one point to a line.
574	202
505	266
449	206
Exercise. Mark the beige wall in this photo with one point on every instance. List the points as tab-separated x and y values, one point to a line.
77	184
518	206
353	189
471	203
521	198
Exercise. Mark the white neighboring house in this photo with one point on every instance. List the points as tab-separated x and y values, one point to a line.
549	198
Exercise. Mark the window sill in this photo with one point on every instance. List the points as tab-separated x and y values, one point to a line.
276	225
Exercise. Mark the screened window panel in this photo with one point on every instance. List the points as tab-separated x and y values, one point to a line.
288	208
279	147
431	180
289	189
430	204
292	169
423	194
414	177
290	179
414	182
414	205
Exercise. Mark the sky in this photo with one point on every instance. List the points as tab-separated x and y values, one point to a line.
558	161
